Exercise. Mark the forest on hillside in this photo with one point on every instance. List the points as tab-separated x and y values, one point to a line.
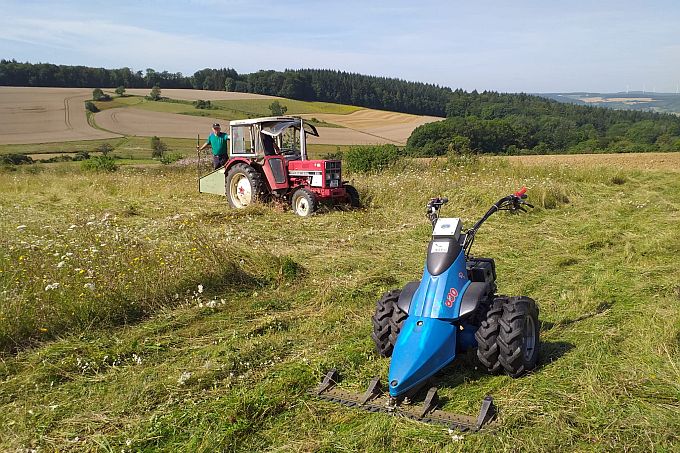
486	122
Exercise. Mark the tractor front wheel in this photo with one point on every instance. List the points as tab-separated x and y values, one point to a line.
518	340
303	202
353	196
387	322
244	186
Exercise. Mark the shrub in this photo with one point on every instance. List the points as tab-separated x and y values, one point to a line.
120	91
170	158
371	158
201	104
158	148
104	148
99	95
100	163
90	107
155	94
81	155
277	108
15	159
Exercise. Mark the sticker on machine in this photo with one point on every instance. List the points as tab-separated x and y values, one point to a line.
440	246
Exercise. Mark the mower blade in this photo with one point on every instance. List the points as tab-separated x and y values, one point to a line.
374	400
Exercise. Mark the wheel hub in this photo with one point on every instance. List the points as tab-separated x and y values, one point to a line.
241	191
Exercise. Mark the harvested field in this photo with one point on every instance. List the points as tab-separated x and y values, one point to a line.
39	115
134	121
193	95
382	126
628	161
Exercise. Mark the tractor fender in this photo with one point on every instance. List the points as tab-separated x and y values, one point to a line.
475	292
406	296
236	160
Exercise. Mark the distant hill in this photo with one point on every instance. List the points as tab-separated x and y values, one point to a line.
634	100
486	122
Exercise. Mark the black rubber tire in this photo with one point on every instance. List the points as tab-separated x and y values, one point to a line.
304	202
353	195
258	186
518	324
382	322
396	321
487	335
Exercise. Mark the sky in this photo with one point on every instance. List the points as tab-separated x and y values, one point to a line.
509	46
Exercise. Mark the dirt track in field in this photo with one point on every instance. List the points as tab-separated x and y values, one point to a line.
194	95
41	115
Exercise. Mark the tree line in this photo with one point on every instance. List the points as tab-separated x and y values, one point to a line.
491	122
305	84
487	122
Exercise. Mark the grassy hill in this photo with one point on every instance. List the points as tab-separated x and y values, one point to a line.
139	315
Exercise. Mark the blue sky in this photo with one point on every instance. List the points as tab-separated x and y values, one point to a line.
531	46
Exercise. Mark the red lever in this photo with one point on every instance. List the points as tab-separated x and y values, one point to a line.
521	192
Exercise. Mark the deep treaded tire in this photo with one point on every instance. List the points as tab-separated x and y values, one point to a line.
382	327
487	335
518	340
304	202
244	185
353	196
396	321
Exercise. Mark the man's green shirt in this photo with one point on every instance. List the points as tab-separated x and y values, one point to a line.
218	143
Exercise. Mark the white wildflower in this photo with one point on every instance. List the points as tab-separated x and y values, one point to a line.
89	286
60	264
52	286
184	377
72	226
200	289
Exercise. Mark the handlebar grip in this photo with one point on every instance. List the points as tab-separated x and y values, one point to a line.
444	200
521	192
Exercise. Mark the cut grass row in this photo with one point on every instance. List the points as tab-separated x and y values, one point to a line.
228	368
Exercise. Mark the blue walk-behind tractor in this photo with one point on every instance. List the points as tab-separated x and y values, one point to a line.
452	309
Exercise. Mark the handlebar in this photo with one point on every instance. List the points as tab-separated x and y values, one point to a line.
514	202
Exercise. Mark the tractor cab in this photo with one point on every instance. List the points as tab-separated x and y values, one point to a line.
268	160
270	136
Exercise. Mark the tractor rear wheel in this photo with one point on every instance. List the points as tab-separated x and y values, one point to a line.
304	202
244	186
487	335
382	322
353	195
518	340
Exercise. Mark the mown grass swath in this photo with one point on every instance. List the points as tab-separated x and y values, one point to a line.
201	329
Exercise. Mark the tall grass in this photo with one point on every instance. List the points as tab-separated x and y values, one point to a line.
130	366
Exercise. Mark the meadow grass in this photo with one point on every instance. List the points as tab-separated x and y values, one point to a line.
178	324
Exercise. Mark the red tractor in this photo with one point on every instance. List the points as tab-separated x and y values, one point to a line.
268	160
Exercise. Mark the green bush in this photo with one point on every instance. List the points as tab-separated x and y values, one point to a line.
100	163
158	148
371	158
90	107
81	155
201	104
99	95
15	159
104	148
170	158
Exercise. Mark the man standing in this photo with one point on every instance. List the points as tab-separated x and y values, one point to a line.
218	142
